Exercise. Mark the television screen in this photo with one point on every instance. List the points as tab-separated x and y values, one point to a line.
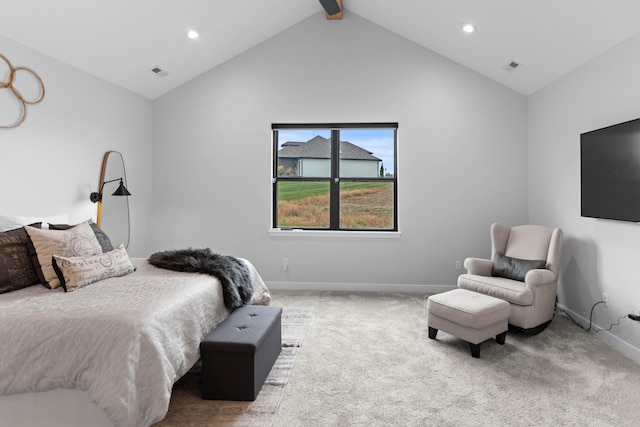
610	172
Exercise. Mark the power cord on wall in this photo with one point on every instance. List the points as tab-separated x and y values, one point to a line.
631	316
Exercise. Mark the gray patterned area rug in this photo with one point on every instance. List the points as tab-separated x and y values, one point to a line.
188	409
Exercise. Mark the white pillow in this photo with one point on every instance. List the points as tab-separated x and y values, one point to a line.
75	241
77	272
13	222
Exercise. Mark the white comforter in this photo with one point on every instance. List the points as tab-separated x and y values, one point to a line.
123	340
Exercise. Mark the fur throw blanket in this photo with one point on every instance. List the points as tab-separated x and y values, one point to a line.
232	272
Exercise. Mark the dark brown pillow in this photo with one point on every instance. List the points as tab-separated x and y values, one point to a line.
16	268
514	268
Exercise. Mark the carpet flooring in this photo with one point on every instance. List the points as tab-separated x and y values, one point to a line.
367	361
187	409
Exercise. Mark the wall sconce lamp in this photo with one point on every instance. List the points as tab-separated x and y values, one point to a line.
120	191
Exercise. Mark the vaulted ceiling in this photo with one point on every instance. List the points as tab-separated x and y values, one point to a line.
122	40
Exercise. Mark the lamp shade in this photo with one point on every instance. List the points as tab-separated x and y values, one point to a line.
121	190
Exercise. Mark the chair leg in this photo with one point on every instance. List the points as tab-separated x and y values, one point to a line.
432	333
501	337
475	350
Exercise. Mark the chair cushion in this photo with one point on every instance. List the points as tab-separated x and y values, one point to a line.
528	242
499	287
514	268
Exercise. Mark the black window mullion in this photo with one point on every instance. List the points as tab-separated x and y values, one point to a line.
395	178
274	180
334	187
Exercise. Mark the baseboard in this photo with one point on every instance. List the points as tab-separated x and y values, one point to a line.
606	336
359	287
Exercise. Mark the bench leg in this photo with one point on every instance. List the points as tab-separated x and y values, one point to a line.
432	333
475	350
501	337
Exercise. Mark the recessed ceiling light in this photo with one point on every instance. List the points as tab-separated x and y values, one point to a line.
193	33
468	28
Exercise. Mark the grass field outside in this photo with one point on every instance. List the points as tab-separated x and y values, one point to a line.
366	205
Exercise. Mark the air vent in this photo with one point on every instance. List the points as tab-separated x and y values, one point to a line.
511	66
159	72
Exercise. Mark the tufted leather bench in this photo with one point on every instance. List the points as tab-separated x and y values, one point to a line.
239	353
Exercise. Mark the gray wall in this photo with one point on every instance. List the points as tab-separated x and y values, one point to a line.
599	255
462	155
51	163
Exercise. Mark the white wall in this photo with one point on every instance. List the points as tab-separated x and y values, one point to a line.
360	168
314	167
599	255
51	163
462	154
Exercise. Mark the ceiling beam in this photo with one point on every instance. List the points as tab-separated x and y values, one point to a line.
336	16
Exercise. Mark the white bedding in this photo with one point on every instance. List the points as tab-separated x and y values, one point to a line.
123	340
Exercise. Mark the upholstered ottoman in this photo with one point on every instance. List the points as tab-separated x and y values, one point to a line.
468	315
239	353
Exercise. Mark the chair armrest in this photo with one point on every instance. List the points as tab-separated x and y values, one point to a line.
479	266
539	277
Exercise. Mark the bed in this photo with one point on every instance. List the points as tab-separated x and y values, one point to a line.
108	353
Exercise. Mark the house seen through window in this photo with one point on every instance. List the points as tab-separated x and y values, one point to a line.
335	176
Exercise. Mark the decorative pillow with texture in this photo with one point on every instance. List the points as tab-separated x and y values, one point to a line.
76	241
76	272
13	222
514	268
16	268
102	237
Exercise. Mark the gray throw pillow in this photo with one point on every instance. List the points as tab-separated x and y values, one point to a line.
514	268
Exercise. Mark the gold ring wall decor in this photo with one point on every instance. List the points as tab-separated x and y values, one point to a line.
13	71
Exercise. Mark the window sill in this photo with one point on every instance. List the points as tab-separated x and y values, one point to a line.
278	232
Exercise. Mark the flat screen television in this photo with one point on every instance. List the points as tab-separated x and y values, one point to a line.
610	172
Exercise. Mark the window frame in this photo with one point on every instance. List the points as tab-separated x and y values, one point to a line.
334	179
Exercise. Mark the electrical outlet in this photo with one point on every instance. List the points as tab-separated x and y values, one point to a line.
458	265
605	298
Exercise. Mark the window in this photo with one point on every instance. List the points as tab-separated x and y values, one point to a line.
335	176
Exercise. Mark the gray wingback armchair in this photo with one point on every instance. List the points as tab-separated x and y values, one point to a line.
523	270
